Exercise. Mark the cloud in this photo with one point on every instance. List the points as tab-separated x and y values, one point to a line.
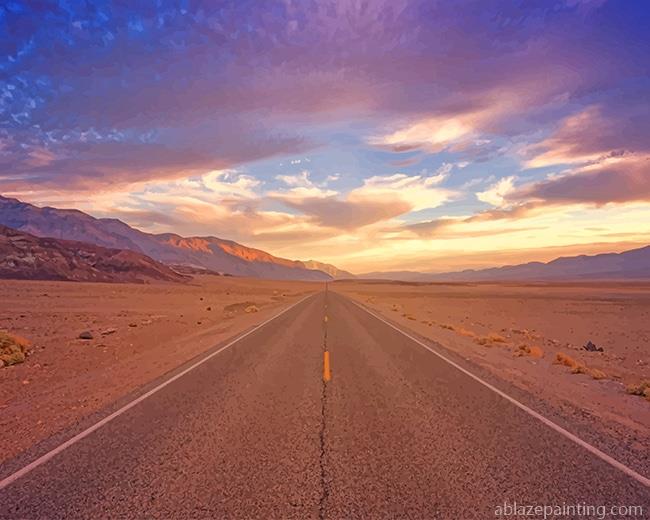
596	132
298	180
380	198
91	165
614	180
161	93
432	135
497	193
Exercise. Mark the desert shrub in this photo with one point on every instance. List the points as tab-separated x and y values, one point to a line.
465	332
563	359
576	367
642	389
447	326
13	349
490	339
239	306
595	373
532	351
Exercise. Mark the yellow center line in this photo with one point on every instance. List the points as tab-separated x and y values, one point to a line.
327	373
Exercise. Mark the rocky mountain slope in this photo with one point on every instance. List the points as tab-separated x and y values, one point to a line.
27	257
211	253
330	269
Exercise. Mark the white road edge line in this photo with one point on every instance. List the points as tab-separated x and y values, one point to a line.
592	449
54	452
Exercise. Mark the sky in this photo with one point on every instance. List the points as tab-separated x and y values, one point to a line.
374	135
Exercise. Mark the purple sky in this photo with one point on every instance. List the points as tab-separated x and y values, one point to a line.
375	135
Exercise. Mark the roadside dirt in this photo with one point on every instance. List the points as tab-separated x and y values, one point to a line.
139	332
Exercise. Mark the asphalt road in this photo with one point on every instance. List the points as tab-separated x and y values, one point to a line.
255	432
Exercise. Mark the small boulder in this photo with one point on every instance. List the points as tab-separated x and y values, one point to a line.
108	332
591	347
86	334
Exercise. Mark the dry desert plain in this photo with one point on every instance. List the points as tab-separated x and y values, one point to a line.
513	332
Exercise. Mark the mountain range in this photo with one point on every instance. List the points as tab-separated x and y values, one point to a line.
211	253
227	257
24	256
628	265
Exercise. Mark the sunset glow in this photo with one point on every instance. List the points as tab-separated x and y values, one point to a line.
384	135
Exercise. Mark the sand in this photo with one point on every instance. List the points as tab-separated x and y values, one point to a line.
148	330
516	332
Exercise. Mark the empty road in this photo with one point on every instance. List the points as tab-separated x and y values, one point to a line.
263	430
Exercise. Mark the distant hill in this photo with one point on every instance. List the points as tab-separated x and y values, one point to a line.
215	254
628	265
330	269
407	276
27	257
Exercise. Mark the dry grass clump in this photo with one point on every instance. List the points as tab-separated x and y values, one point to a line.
246	306
458	330
595	373
532	351
465	332
490	339
563	359
578	368
13	349
642	389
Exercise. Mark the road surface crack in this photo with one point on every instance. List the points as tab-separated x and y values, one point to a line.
324	484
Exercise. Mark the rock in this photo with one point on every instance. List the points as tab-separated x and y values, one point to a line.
108	332
86	334
591	347
208	308
133	324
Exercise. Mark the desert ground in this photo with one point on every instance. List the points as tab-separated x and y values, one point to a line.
532	335
139	332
